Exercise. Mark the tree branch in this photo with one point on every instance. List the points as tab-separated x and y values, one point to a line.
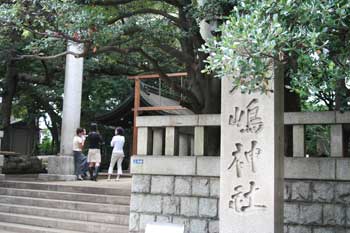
192	98
179	55
147	11
48	33
42	57
113	71
7	2
120	2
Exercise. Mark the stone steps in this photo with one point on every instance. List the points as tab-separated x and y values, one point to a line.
70	205
64	224
34	207
64	188
21	228
68	196
65	214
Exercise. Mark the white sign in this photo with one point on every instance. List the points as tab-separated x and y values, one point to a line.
164	228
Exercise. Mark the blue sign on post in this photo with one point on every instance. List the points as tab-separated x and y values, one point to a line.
138	161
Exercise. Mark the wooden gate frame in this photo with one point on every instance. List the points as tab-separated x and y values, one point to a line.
137	99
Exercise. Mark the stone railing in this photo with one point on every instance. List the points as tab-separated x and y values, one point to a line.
173	135
335	119
185	189
184	134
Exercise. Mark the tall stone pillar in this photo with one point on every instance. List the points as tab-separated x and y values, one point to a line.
62	167
251	172
72	98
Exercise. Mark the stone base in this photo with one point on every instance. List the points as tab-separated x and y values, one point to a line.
60	168
21	164
56	177
2	176
62	165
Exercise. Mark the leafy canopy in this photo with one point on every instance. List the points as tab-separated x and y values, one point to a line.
315	33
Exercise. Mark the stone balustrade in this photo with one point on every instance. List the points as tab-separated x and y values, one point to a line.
184	135
173	135
335	119
173	187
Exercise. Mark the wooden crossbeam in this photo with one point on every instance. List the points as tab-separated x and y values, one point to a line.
150	76
137	99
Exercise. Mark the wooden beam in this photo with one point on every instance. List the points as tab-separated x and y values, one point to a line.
136	108
161	108
150	76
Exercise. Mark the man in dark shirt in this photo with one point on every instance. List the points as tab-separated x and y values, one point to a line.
94	154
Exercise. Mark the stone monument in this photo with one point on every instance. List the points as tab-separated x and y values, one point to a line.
251	166
61	167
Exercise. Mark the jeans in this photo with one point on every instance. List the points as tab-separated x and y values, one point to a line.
116	157
80	162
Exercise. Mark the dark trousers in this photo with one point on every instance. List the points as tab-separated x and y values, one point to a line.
80	162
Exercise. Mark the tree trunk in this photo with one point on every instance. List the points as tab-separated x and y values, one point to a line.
341	95
291	104
10	86
341	103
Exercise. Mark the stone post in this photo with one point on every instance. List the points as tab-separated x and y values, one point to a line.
144	145
171	141
183	145
192	145
337	148
158	141
198	140
2	157
2	161
62	167
1	137
251	166
298	141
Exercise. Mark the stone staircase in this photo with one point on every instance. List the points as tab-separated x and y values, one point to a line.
29	207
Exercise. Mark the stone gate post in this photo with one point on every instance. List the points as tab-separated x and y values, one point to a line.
251	176
62	167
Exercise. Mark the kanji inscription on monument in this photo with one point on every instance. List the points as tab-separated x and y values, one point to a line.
251	188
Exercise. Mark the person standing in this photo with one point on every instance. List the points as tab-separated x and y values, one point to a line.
94	153
118	153
79	157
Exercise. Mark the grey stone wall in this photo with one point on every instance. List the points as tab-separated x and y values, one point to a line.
317	206
189	200
310	206
186	190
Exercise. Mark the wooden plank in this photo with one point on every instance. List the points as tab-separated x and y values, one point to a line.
150	76
136	107
160	108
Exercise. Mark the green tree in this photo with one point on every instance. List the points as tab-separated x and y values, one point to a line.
311	38
121	37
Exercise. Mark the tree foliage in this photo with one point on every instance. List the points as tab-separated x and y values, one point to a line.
310	37
121	37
